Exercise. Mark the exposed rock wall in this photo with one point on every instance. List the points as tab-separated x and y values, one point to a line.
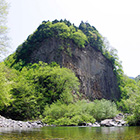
94	71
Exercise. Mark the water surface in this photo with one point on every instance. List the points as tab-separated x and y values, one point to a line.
72	133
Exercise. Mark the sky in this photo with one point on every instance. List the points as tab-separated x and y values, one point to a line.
117	20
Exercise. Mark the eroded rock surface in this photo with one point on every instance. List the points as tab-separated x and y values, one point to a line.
94	71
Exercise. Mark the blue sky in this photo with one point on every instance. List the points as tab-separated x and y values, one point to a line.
117	20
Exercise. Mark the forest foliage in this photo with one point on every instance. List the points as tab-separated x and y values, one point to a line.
5	86
40	84
79	113
130	100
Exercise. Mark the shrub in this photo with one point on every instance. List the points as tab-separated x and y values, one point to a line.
79	113
62	114
5	86
104	109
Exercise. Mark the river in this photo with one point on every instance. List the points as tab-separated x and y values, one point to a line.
72	133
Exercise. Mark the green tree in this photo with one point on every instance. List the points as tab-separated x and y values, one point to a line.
3	27
130	99
104	109
25	104
5	87
132	106
54	83
79	38
61	30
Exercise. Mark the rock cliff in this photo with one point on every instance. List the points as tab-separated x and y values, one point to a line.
94	71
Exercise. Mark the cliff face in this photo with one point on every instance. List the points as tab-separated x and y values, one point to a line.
94	71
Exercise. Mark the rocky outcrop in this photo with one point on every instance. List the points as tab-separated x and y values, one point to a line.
96	124
94	71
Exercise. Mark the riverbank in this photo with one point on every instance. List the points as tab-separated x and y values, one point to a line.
116	121
4	122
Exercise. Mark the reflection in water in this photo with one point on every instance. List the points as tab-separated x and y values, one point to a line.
72	133
15	130
107	130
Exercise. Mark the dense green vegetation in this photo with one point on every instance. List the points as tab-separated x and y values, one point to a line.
79	113
5	86
40	84
130	101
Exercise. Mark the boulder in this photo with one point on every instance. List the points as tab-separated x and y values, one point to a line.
106	122
96	124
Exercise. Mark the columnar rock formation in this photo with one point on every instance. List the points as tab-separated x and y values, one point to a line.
94	71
